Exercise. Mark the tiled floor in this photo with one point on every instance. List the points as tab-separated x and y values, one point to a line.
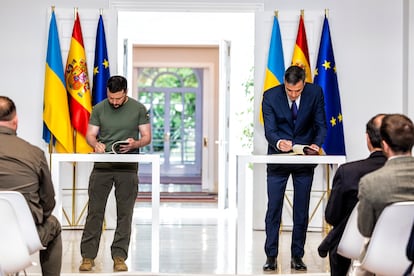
195	238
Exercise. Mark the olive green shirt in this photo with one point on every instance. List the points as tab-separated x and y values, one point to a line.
118	124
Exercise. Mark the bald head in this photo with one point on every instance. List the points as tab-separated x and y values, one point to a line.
8	116
373	132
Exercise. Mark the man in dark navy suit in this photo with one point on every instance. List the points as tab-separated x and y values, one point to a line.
344	195
293	113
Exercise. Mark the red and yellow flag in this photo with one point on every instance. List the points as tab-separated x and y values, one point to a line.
77	85
300	52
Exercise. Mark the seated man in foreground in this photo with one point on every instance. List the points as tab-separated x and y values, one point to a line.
344	195
24	169
392	183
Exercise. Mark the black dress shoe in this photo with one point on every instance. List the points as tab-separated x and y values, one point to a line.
297	263
270	264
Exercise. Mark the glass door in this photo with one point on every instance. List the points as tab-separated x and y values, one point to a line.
173	99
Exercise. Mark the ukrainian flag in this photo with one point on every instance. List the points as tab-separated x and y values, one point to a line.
57	128
275	62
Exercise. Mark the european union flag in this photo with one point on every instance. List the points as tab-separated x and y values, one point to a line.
325	76
101	65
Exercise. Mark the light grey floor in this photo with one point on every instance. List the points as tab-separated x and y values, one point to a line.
195	238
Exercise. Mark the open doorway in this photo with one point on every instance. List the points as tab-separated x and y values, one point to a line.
173	97
220	132
179	84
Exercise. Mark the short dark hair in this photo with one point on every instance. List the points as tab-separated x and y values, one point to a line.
7	109
116	84
373	130
397	130
295	74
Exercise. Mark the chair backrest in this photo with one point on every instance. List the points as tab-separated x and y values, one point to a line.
14	254
385	254
352	242
25	219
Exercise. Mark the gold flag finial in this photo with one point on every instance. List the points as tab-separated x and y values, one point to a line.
276	13
302	13
326	12
75	10
53	8
101	11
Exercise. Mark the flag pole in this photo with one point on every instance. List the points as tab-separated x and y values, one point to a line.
50	149
74	184
74	163
80	106
50	146
101	11
328	186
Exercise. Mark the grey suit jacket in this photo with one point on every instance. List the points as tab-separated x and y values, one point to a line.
394	182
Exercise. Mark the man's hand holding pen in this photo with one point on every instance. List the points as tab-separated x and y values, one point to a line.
99	147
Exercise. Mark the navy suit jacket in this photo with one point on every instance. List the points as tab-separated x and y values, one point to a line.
310	126
344	195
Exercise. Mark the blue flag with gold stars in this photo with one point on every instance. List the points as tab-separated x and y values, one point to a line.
325	76
101	65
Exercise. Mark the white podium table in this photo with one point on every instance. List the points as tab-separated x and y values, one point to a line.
58	158
243	197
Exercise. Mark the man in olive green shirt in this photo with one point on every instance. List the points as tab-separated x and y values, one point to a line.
117	118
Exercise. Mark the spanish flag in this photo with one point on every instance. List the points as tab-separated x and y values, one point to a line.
275	61
56	121
300	52
77	85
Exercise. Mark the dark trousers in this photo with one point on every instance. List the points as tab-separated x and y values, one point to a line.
126	190
277	177
50	236
339	264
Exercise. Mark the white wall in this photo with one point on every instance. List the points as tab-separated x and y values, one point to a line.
371	41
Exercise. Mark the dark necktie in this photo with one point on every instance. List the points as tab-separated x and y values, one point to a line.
294	109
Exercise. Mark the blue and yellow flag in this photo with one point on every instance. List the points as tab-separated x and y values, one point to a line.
326	77
275	62
101	65
57	128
